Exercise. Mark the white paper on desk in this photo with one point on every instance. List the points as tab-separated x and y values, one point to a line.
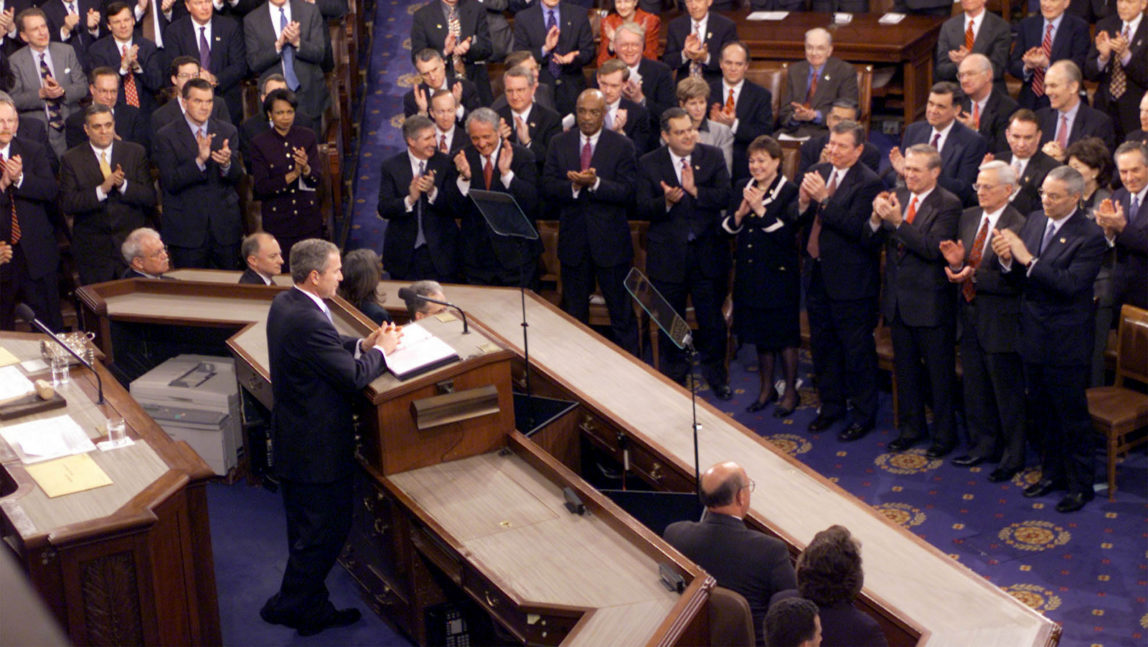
767	15
41	440
417	350
842	18
786	137
891	18
13	384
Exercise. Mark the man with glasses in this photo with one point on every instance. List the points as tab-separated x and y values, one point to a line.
814	84
433	77
215	41
651	83
1054	260
985	108
182	70
989	308
105	87
741	559
974	31
136	59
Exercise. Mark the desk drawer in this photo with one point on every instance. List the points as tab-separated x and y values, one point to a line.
544	628
252	381
644	461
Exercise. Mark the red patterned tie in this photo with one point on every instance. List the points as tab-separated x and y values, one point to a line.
1062	134
912	212
1118	81
15	237
1038	73
131	94
729	102
587	154
813	246
969	37
967	289
488	173
442	143
976	116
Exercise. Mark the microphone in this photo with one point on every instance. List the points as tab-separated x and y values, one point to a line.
406	294
25	313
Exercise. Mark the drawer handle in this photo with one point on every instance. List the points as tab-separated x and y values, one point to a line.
656	472
490	602
381	527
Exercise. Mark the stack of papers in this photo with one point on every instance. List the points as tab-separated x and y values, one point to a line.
767	15
48	438
891	18
13	384
418	352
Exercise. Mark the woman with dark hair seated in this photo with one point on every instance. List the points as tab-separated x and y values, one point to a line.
285	174
829	574
362	272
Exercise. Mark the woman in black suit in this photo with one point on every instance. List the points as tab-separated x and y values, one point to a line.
362	272
766	287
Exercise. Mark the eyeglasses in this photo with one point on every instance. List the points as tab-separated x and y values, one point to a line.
751	486
986	187
162	251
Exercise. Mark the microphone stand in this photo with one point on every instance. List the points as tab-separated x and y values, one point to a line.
26	314
691	354
526	353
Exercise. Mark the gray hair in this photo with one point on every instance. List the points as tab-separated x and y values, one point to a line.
96	109
848	104
132	247
268	79
852	127
7	98
932	157
485	116
415	124
1070	69
981	61
1006	174
310	255
819	30
1132	147
520	72
421	289
633	28
1073	180
252	244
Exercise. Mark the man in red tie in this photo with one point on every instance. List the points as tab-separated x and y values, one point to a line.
448	135
918	301
1118	62
1067	119
1042	40
985	108
973	31
743	105
135	58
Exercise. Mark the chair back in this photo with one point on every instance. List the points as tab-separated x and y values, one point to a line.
771	76
731	623
1132	345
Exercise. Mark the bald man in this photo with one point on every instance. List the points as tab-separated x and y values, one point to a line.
744	560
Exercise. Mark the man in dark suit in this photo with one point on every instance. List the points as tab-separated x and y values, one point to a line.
684	187
422	238
589	175
1126	226
1054	260
918	303
622	115
1027	160
217	43
433	76
974	31
1041	41
814	84
740	559
543	93
289	38
467	48
1118	61
137	60
104	87
106	186
841	280
78	23
985	108
694	41
559	36
1142	134
146	257
182	70
743	105
989	311
27	189
264	259
316	375
813	150
448	133
1068	119
962	149
154	19
198	171
651	83
492	163
525	121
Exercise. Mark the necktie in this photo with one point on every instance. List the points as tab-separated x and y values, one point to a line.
813	247
420	237
105	168
55	114
912	212
695	67
587	154
967	289
151	23
1118	81
1044	243
977	116
131	94
454	28
204	50
488	173
71	8
812	87
936	141
327	311
553	66
682	171
729	103
442	143
14	237
1038	73
969	36
1133	210
518	127
288	55
1062	132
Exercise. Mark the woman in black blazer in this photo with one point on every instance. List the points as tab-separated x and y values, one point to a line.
767	287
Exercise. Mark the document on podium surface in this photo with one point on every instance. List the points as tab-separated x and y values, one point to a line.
47	438
69	475
418	352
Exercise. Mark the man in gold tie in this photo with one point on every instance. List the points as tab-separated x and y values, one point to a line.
105	184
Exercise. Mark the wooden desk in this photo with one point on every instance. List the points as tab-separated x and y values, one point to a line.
910	45
125	564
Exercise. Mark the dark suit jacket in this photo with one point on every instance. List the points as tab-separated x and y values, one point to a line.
130	126
811	155
195	201
315	379
754	110
1089	122
1070	41
171	112
34	198
1131	273
530	34
149	81
595	223
263	60
251	277
848	258
994	118
993	40
1125	111
402	226
228	55
34	130
543	125
543	96
995	310
719	31
916	288
251	128
1056	318
1027	197
80	38
429	28
121	212
962	153
838	80
658	88
638	126
744	560
696	219
288	210
767	263
470	99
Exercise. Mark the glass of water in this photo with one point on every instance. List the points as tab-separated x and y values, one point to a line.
117	431
61	371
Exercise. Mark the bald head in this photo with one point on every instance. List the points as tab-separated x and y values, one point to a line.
725	489
975	74
590	111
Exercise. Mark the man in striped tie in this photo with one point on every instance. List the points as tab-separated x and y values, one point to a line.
1042	40
48	80
135	57
974	31
1118	62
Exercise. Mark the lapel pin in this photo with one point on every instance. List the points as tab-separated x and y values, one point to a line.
709	35
438	26
1063	241
532	125
826	77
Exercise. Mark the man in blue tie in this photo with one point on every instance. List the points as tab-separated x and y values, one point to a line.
286	37
1125	224
559	36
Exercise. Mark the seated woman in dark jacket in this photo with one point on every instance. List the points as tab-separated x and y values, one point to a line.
362	272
